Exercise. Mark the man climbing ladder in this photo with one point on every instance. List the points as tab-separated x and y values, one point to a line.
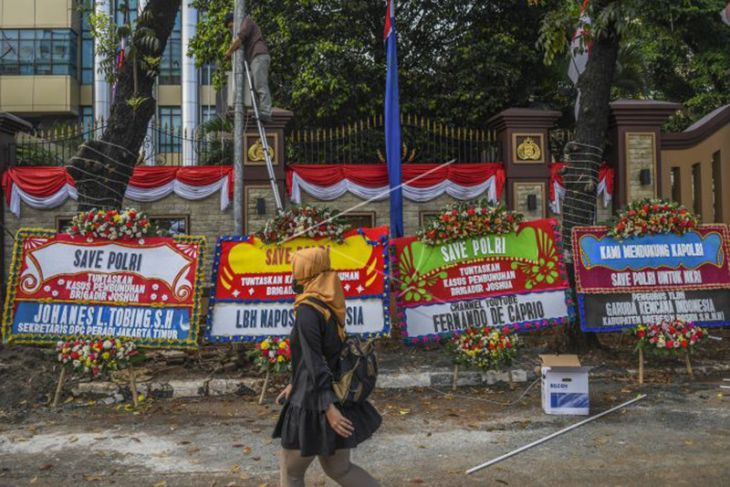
256	62
256	55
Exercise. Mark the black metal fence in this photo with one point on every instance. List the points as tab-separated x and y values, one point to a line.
163	145
423	140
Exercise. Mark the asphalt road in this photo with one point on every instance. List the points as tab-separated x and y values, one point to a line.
679	435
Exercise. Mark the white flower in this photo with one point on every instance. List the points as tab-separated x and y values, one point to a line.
107	344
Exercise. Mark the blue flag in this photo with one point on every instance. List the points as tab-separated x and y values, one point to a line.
392	126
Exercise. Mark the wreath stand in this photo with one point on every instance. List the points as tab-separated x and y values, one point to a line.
265	386
133	386
59	387
456	377
641	366
687	364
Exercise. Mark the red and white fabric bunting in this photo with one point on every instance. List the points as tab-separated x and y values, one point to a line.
557	185
48	187
422	182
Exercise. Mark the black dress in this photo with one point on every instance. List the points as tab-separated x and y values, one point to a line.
302	424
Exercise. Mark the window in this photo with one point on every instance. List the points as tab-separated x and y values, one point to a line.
675	181
38	52
697	189
171	57
172	224
126	7
426	217
86	118
365	219
207	112
63	223
170	126
206	74
87	50
716	185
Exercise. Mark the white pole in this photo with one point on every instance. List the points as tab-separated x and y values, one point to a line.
239	123
190	90
102	89
550	437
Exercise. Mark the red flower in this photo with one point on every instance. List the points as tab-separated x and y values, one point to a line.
471	212
683	343
670	344
74	355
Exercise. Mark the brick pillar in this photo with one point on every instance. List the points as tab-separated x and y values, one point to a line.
9	126
524	143
255	175
634	149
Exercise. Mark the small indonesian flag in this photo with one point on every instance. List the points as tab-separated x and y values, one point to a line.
580	49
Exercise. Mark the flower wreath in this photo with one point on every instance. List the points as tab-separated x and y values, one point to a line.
304	221
668	336
485	347
112	224
273	353
96	356
650	216
467	220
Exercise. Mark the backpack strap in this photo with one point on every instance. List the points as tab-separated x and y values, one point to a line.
320	306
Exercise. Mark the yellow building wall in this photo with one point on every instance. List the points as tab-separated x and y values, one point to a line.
39	94
39	14
702	154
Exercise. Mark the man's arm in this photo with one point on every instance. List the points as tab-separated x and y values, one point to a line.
235	45
240	38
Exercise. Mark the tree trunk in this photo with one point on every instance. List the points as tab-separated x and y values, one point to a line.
102	167
585	154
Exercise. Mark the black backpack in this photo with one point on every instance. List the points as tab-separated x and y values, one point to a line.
358	372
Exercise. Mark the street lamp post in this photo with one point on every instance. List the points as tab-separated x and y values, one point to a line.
239	123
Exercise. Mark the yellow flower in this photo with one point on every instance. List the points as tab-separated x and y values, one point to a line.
105	355
280	358
117	218
265	345
282	345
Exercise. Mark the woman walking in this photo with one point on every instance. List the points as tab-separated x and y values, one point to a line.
311	423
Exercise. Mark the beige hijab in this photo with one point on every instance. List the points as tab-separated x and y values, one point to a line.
311	268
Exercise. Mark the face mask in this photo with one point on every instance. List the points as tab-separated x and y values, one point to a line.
296	287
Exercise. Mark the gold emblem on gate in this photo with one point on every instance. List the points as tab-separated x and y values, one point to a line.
528	150
256	152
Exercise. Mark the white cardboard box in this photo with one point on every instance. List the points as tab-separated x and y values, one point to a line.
564	385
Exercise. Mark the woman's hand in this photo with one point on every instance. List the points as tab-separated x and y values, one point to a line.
283	395
338	422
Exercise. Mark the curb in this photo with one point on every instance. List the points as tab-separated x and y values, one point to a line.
209	387
204	387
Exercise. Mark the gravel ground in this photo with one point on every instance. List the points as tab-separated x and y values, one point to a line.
679	435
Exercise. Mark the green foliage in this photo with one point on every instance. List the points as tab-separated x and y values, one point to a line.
463	61
670	50
212	38
108	36
107	39
460	61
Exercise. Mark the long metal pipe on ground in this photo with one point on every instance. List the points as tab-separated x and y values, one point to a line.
550	437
